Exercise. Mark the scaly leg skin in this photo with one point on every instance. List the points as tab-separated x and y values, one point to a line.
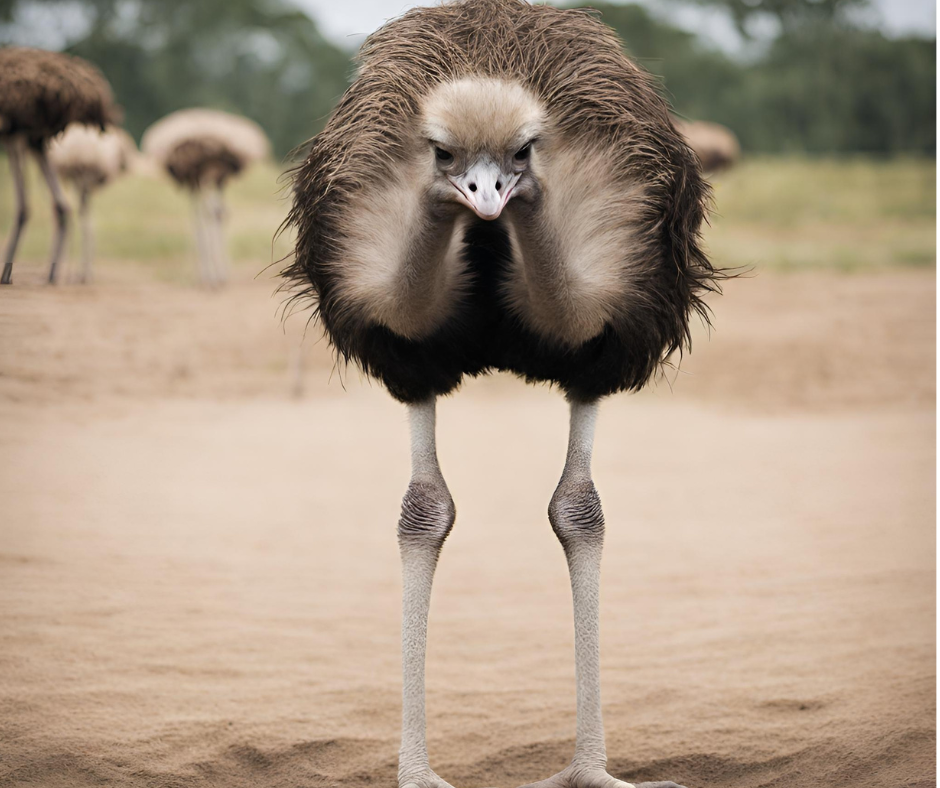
15	155
578	521
61	213
427	515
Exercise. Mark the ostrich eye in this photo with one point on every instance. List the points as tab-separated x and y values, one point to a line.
443	156
522	155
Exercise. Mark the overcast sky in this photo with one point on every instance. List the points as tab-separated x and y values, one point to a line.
354	19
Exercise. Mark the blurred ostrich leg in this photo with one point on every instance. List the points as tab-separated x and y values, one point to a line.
15	155
427	515
61	213
88	239
216	211
202	242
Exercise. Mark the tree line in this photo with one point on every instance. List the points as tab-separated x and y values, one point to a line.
823	84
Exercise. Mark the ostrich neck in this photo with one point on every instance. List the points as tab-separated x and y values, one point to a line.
424	274
553	295
543	291
426	279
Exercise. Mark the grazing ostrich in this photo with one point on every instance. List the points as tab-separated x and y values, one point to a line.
501	188
201	149
40	94
89	159
716	146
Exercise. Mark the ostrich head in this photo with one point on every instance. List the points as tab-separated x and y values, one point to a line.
480	143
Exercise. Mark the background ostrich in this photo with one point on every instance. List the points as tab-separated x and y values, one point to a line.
90	159
501	188
201	149
716	146
40	94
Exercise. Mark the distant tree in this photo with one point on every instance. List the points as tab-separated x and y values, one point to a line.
695	77
261	58
821	86
790	15
826	87
830	89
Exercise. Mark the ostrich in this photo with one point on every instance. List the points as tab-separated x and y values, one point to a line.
501	188
40	94
201	149
90	159
716	146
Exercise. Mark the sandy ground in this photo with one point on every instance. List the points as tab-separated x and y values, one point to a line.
199	581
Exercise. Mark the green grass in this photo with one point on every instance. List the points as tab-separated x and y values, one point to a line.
844	214
145	220
769	212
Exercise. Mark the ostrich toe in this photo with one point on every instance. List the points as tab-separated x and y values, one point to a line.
573	777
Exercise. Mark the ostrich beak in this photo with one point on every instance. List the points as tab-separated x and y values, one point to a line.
484	188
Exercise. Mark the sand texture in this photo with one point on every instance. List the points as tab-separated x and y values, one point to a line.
199	577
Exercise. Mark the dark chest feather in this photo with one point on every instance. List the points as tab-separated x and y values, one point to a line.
483	335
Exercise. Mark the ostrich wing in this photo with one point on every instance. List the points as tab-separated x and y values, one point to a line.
396	260
579	243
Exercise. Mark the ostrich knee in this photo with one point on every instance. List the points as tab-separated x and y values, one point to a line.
576	515
578	521
427	515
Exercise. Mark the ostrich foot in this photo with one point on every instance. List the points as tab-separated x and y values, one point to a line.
422	779
583	777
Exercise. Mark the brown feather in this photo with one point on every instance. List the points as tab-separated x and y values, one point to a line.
200	146
716	146
91	158
43	92
595	96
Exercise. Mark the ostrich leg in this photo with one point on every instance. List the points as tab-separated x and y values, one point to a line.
216	211
61	213
88	239
203	251
427	515
576	517
15	154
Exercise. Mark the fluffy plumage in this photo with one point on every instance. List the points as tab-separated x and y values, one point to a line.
199	147
716	146
620	305
43	92
91	158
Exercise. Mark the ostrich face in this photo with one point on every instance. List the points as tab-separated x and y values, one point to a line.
480	138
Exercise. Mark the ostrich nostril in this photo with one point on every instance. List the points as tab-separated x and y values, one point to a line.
499	185
472	187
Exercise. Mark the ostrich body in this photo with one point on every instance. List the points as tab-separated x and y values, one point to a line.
501	188
716	146
89	159
40	94
201	149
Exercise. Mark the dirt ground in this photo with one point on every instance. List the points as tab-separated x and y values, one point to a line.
199	579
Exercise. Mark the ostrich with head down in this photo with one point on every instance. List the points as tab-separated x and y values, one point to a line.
40	94
501	188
